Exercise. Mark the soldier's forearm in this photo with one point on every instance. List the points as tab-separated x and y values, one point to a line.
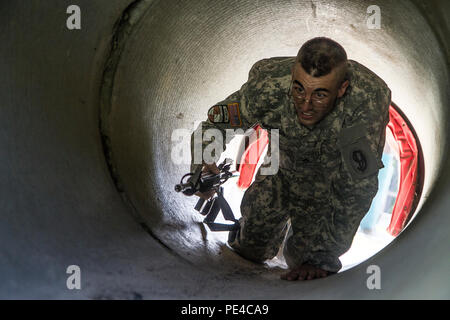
207	144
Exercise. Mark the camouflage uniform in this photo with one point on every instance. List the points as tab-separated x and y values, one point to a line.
327	175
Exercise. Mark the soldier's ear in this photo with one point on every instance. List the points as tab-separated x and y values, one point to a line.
343	88
294	65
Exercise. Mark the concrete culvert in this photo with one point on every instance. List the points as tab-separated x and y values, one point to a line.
87	117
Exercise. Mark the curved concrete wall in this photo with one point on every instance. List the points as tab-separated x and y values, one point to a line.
131	235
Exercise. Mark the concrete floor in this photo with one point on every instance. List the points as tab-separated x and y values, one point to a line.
70	97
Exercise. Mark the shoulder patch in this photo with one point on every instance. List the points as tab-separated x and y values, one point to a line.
225	113
234	114
359	159
218	114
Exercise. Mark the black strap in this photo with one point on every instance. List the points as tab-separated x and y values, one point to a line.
211	210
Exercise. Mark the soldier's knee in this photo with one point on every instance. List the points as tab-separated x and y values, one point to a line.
249	249
258	255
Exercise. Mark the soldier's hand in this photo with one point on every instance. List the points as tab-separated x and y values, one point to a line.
208	168
305	272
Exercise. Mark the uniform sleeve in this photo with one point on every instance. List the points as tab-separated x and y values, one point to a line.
237	111
351	196
373	115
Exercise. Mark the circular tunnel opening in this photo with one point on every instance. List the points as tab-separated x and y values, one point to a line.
166	76
168	62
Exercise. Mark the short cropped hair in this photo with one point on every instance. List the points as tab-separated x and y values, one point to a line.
319	56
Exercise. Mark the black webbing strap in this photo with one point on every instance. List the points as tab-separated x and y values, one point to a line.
211	210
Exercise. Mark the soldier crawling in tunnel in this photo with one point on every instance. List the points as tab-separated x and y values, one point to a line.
331	114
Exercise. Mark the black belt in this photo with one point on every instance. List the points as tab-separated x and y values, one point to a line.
211	210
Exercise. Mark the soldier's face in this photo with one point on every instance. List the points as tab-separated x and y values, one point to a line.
314	97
